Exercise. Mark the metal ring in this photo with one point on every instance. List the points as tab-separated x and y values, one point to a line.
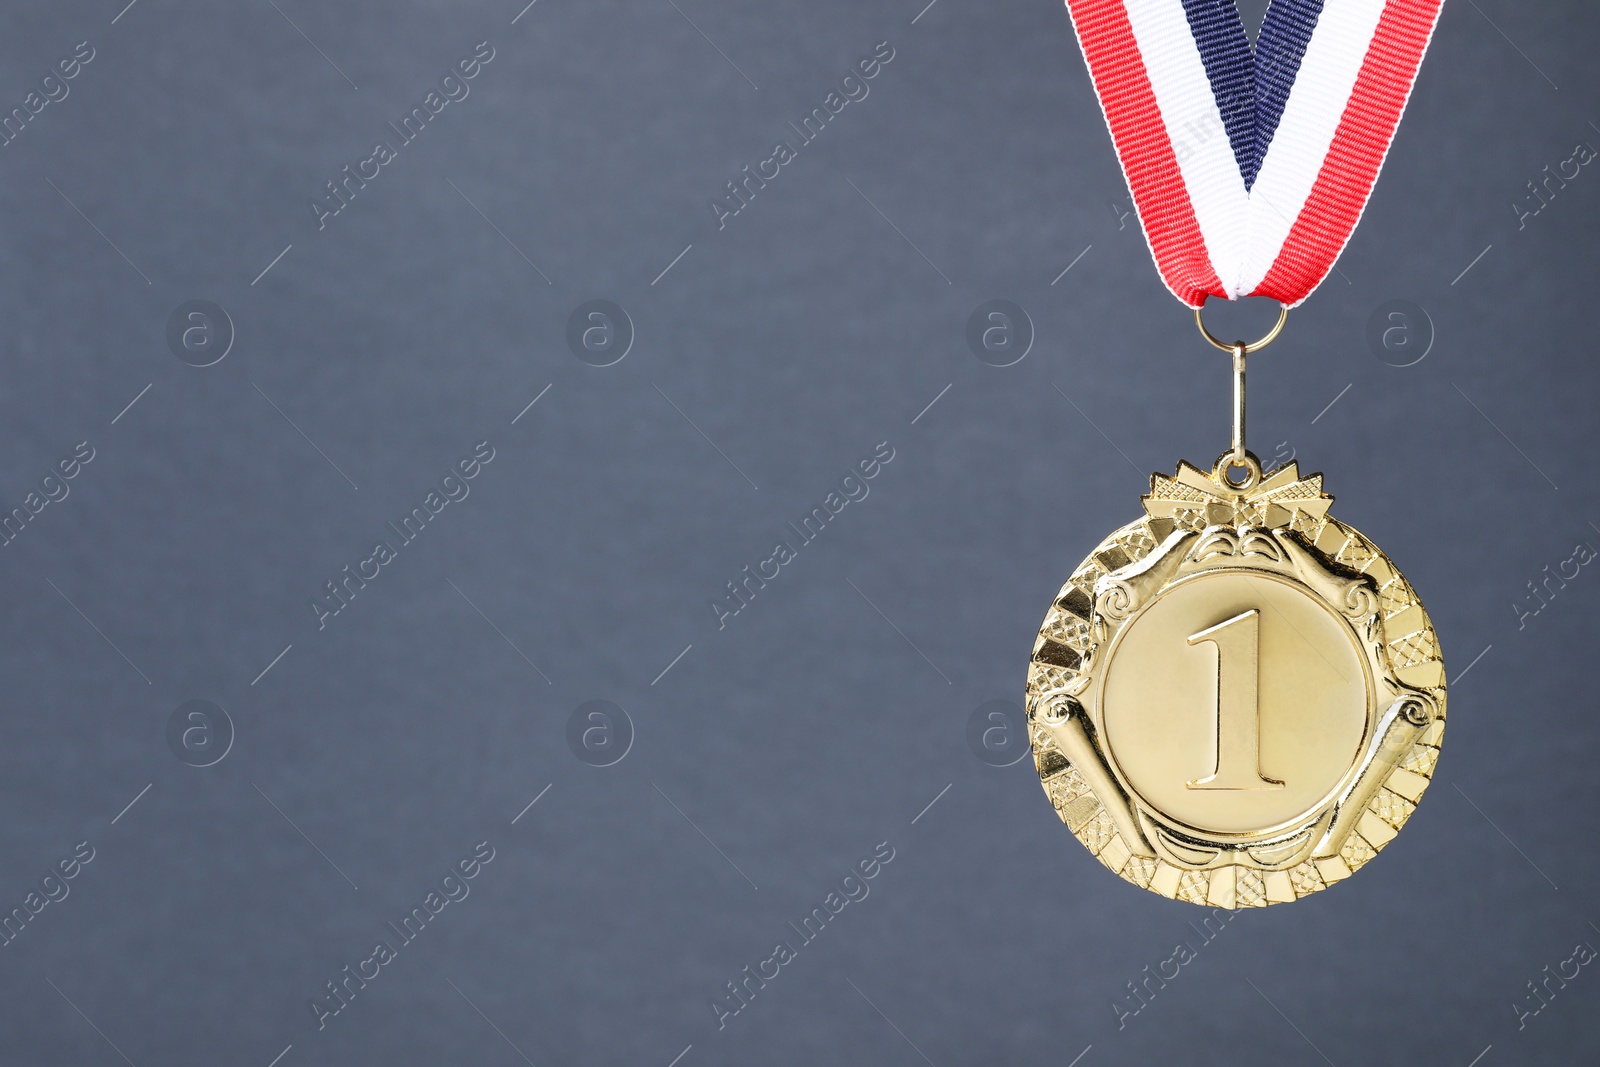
1253	346
1228	461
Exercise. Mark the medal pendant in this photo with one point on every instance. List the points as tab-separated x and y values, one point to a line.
1237	700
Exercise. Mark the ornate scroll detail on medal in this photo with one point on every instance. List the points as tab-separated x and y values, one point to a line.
1238	699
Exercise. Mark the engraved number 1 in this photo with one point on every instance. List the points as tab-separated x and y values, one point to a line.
1238	642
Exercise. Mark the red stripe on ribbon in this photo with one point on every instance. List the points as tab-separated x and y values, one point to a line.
1344	185
1145	149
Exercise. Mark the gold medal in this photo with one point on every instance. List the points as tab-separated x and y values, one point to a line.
1239	699
1236	700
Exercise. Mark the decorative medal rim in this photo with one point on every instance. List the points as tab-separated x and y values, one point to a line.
1405	671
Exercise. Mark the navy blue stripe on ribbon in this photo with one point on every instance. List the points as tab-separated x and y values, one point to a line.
1250	86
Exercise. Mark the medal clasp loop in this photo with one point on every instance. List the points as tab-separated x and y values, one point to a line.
1239	457
1254	346
1227	464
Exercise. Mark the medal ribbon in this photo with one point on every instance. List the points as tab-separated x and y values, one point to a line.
1250	168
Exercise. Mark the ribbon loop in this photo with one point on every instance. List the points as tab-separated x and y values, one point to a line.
1250	167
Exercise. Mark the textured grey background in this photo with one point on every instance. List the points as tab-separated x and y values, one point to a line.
376	752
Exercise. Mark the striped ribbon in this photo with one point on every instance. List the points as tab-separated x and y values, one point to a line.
1250	167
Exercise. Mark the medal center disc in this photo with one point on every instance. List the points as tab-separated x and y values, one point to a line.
1235	702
